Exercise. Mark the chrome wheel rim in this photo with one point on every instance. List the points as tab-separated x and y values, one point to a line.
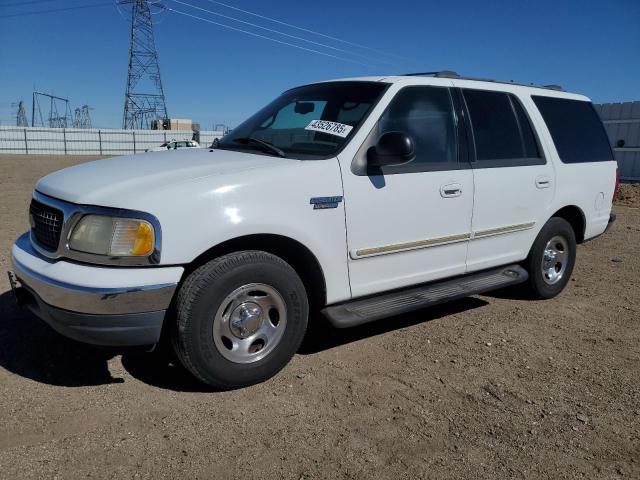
554	260
249	323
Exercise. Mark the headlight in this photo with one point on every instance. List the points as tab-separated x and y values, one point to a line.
113	236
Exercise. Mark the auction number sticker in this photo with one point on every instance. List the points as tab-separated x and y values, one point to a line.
332	128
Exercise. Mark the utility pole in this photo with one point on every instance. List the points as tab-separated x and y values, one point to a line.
144	99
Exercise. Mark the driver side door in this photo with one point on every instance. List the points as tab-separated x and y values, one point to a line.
410	223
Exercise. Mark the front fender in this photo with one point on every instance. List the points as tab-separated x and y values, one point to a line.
206	212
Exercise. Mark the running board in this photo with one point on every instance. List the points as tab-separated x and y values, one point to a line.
364	310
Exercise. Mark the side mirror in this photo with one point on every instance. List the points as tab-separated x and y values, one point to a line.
393	148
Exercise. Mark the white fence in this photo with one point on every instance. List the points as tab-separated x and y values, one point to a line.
95	141
622	121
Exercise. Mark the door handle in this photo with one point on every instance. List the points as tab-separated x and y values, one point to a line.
451	190
543	181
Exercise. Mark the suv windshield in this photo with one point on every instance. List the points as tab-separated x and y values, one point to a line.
314	121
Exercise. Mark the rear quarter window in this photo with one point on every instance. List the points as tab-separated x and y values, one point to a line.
576	129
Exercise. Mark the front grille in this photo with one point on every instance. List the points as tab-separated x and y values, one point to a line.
46	224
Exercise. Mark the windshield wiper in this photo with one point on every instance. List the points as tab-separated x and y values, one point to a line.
266	146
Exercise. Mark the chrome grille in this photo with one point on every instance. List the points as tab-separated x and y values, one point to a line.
46	224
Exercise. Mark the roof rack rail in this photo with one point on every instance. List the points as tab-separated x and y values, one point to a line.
452	74
440	73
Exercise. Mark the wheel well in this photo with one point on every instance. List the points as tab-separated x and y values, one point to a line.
575	217
291	251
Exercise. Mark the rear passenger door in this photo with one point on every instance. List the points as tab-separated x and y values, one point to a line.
513	182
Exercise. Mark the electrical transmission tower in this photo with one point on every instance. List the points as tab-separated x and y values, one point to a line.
82	119
59	111
144	97
21	116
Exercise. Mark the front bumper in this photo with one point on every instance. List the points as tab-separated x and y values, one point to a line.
95	304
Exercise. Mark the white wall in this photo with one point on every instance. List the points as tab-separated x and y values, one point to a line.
103	141
622	121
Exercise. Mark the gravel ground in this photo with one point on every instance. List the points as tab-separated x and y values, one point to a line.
488	387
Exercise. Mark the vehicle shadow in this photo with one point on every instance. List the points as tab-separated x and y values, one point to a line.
161	369
323	336
32	349
515	292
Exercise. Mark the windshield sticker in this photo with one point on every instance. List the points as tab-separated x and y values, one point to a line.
332	128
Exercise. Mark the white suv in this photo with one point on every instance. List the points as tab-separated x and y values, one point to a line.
362	198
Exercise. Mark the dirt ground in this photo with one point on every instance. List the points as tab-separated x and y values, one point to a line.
628	195
488	387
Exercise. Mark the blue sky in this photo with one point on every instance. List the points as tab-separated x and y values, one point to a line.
215	75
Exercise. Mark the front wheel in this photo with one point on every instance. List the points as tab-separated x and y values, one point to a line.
551	259
240	319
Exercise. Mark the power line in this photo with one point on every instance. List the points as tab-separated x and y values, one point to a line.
20	4
269	38
307	30
39	12
286	34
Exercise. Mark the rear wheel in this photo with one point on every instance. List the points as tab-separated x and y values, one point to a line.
240	319
551	259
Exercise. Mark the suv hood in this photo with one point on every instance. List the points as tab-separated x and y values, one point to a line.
112	182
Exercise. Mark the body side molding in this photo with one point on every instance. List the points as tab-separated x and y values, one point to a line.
435	242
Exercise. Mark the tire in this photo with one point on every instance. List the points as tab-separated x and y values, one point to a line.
240	319
548	275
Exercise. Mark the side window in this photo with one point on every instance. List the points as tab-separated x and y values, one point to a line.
502	133
427	115
576	129
528	138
